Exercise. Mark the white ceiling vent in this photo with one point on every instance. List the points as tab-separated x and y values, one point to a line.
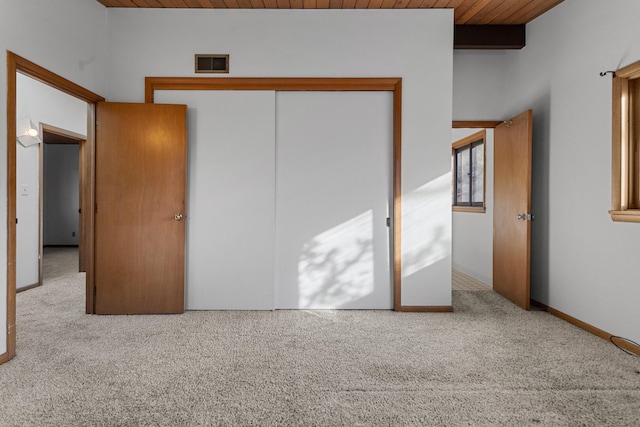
212	63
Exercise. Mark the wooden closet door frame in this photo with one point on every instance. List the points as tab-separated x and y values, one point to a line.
321	84
17	64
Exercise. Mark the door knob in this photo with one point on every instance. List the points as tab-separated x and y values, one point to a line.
178	217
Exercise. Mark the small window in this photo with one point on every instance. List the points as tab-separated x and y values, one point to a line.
625	182
468	167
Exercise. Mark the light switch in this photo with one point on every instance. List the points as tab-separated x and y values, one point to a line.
24	189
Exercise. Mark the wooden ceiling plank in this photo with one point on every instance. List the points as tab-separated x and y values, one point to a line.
142	3
193	4
479	17
231	4
172	3
402	4
127	3
427	4
439	4
506	15
531	11
414	4
505	7
180	3
154	3
471	11
455	5
204	3
549	4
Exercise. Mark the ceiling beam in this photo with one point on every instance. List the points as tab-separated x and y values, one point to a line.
489	36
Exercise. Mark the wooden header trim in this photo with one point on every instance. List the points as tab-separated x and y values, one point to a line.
631	71
36	72
480	135
474	124
55	135
281	84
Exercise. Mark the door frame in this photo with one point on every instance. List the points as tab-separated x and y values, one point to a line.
17	64
322	84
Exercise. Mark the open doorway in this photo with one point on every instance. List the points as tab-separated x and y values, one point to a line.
472	205
510	201
48	196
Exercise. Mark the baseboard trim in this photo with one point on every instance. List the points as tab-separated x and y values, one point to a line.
587	327
4	357
426	308
26	288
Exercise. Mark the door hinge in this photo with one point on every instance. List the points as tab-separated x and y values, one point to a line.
16	220
94	291
388	222
96	208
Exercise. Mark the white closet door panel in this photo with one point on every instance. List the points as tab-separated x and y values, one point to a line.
231	198
333	192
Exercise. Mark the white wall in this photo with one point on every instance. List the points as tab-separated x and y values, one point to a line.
414	45
472	243
61	185
28	214
67	37
583	264
479	84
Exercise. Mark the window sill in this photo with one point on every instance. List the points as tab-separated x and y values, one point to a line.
470	209
630	215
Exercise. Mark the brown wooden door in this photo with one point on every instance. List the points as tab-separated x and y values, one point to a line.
512	207
140	208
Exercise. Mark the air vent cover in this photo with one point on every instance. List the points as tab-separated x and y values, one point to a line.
212	63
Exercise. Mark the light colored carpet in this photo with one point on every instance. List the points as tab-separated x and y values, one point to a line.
58	262
488	363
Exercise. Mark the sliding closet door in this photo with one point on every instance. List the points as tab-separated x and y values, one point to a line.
333	193
230	198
